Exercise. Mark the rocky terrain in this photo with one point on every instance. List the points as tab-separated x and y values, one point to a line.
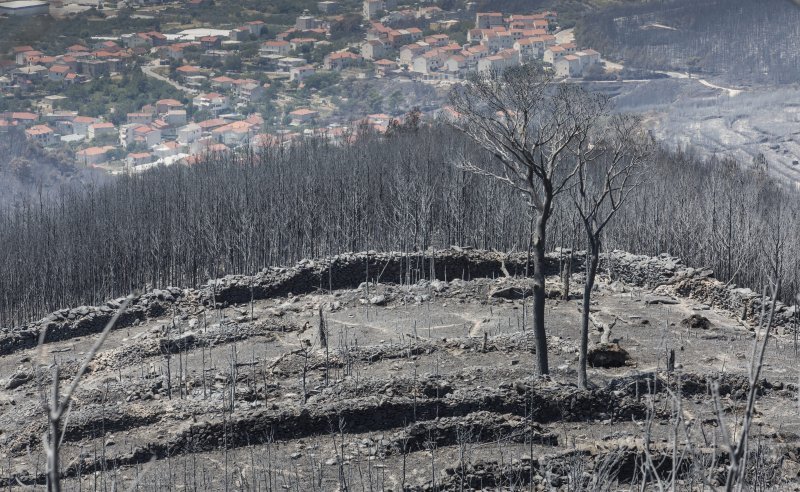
425	383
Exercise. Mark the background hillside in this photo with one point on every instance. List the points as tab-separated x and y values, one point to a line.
742	41
179	226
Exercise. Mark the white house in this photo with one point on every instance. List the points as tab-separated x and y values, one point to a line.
276	47
301	73
568	66
499	62
428	62
98	130
189	134
411	51
374	49
213	102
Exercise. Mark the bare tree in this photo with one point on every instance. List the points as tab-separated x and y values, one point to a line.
610	165
534	129
738	449
58	405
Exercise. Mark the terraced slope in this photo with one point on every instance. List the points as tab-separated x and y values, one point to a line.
426	385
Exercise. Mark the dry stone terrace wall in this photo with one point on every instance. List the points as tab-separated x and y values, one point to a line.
669	275
663	273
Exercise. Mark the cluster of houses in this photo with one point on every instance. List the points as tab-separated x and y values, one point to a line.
496	43
168	130
159	132
78	63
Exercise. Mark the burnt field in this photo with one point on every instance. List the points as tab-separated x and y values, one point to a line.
426	382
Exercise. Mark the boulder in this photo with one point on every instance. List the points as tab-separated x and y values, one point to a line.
439	286
607	355
20	377
507	291
696	321
378	300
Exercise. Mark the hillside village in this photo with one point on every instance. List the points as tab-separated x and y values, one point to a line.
247	86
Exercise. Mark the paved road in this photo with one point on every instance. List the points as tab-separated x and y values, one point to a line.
683	75
565	36
149	72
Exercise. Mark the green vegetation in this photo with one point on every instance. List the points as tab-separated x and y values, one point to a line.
320	81
15	102
53	35
116	98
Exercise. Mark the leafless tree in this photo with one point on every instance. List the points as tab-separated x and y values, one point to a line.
609	170
738	448
534	128
57	407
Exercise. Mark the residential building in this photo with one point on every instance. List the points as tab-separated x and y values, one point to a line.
24	8
287	63
187	71
251	92
276	47
80	125
222	82
175	117
139	158
341	60
165	105
42	134
298	43
498	41
568	66
307	22
328	7
384	67
234	134
141	134
429	61
139	118
588	58
256	28
552	53
372	8
499	62
411	51
213	102
456	64
301	73
190	133
488	20
99	130
94	68
58	73
528	48
167	149
93	156
303	116
374	50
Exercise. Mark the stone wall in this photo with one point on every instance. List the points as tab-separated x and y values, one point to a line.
669	275
348	271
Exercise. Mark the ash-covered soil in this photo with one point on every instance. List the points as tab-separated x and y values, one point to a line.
428	386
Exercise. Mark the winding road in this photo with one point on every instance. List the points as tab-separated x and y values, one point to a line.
149	71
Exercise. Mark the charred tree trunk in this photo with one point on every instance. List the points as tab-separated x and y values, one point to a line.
539	294
592	261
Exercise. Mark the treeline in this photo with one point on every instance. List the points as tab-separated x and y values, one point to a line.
743	41
183	225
